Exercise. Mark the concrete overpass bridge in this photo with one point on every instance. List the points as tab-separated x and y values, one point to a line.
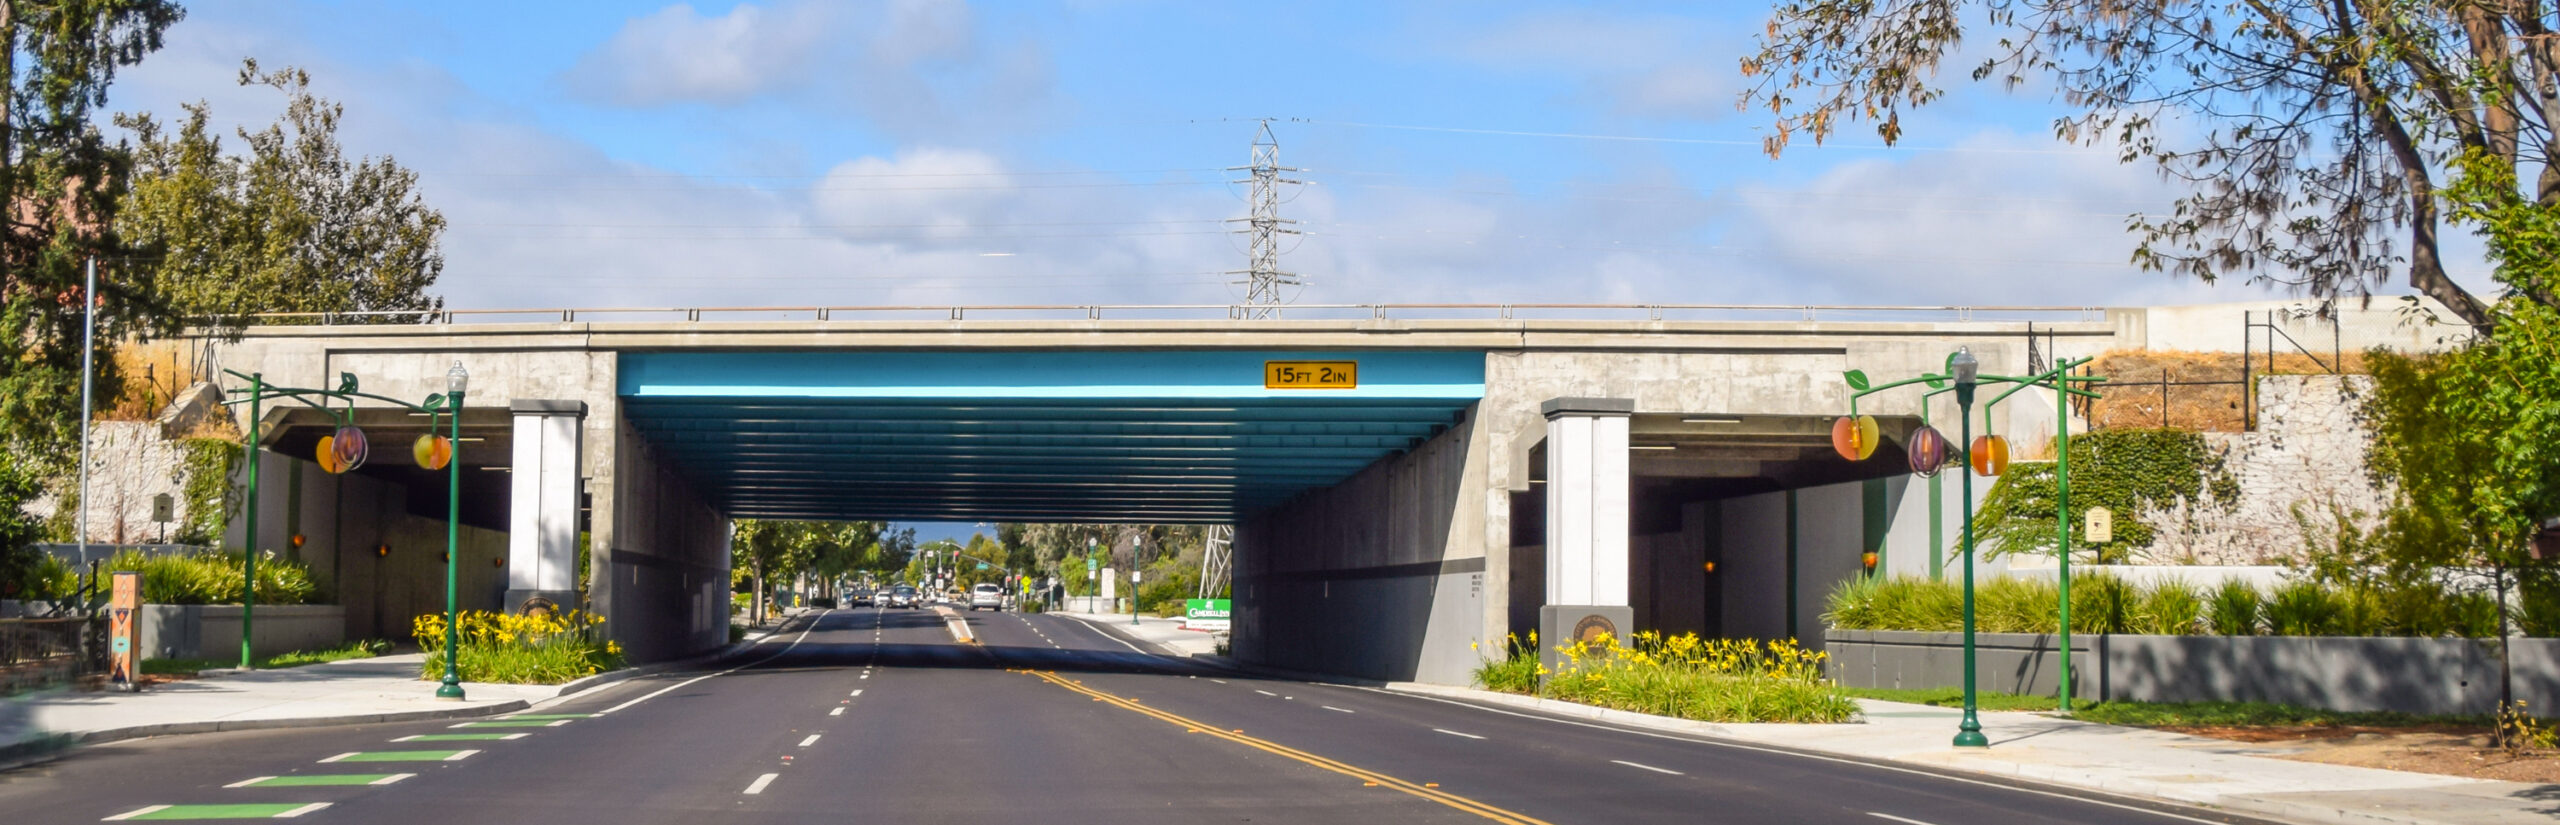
1404	480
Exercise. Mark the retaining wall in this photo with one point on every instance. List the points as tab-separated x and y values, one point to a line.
212	631
2338	673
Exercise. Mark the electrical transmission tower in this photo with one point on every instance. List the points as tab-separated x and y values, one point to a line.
1264	280
1217	560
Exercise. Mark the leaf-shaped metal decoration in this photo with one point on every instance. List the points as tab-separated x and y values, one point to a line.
1857	379
434	402
346	382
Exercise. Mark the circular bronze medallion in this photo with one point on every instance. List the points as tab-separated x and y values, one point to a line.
1595	629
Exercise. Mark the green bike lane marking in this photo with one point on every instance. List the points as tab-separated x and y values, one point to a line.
254	810
401	756
459	737
528	723
548	716
321	780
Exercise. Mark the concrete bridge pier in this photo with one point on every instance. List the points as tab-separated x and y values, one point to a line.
1587	529
544	508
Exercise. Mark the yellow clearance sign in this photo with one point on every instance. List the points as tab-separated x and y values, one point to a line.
1310	375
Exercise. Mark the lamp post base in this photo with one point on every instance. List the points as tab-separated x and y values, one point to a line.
1971	736
449	692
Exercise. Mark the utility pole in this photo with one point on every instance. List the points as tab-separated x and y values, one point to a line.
1263	278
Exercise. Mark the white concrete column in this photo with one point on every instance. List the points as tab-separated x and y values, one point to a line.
1587	501
542	519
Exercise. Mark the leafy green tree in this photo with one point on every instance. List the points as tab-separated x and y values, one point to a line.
2312	132
60	181
2471	437
292	225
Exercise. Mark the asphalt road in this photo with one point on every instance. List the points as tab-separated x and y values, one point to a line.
874	715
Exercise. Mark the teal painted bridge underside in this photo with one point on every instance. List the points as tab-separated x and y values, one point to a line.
1112	436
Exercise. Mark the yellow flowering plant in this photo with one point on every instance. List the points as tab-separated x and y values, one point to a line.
525	648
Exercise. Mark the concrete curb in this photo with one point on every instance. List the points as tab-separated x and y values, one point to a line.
2046	776
46	748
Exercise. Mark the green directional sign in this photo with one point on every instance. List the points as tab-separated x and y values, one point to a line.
1092	564
982	565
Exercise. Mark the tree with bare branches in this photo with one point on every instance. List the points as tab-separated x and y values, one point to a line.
2316	134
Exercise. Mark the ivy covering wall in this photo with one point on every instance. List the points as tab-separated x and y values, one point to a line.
206	474
2125	471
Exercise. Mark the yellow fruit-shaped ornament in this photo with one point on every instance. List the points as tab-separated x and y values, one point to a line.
328	456
1854	437
432	452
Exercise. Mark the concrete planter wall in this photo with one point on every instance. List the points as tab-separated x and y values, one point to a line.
212	631
2338	673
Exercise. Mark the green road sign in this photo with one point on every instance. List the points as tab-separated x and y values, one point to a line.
1092	564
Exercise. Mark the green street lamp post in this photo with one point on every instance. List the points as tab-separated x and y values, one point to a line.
1964	372
457	380
439	408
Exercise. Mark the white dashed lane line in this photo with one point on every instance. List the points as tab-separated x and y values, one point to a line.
1897	818
812	740
757	786
1336	710
835	712
1265	692
1673	773
1455	733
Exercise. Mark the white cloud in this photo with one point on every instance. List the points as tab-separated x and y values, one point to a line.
678	55
1658	67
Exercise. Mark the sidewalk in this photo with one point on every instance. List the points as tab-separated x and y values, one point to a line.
2235	776
1163	633
381	689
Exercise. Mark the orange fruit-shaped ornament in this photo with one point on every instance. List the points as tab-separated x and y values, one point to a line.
1990	455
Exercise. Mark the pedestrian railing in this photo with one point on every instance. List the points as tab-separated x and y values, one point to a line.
1195	312
37	654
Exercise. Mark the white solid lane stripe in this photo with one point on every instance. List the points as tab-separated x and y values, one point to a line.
406	738
1266	693
338	757
1791	753
1455	733
514	736
1335	709
812	740
459	756
136	812
1897	818
1668	771
804	634
302	810
761	781
393	778
835	712
248	782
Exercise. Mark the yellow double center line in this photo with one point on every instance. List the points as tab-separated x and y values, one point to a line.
1363	774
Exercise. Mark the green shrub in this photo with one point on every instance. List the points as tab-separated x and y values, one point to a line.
2170	608
1515	672
1901	603
2236	609
214	577
2303	608
2102	603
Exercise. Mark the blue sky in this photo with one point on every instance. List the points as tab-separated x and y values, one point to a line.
944	152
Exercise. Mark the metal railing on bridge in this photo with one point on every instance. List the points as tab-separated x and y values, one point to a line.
1234	312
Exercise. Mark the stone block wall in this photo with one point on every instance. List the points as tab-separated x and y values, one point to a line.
2304	466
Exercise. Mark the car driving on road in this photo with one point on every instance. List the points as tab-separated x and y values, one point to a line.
986	597
902	596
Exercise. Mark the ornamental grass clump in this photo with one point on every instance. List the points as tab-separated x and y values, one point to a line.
526	649
1684	676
